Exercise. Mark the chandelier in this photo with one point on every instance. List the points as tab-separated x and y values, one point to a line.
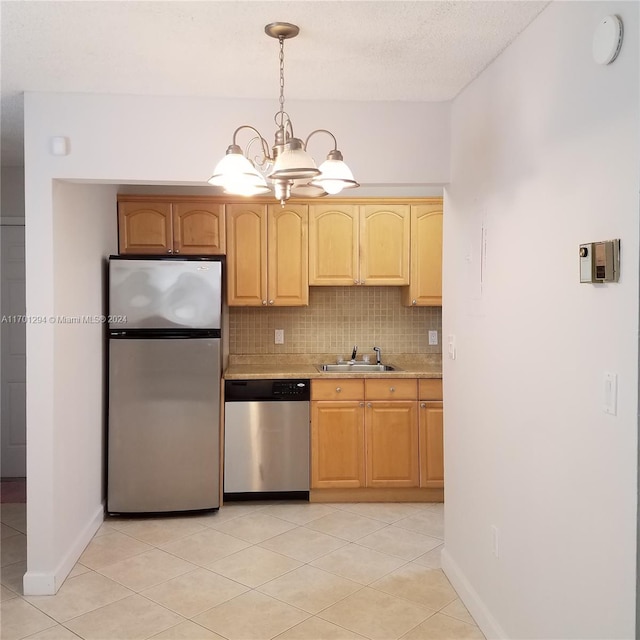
288	167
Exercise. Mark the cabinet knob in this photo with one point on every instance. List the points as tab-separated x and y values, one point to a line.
338	389
414	302
355	282
169	250
423	405
264	302
270	301
362	404
369	405
177	251
392	389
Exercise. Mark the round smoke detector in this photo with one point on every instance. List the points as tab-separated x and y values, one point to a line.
607	40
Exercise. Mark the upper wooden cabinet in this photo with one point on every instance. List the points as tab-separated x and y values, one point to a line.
170	226
267	255
425	283
351	244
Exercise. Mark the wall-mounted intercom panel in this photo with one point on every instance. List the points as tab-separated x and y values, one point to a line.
600	261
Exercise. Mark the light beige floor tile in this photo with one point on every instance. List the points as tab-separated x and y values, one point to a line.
431	559
15	516
441	627
78	570
251	616
111	548
399	542
303	544
255	527
457	610
11	576
376	615
159	531
310	589
318	629
133	618
346	525
194	592
419	584
188	630
146	569
21	619
254	566
435	506
79	595
427	522
7	594
6	531
55	633
299	513
14	549
205	547
230	511
386	512
358	563
108	526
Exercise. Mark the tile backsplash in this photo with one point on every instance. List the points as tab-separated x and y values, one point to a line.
336	319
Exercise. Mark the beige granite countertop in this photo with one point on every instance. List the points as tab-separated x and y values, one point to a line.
256	367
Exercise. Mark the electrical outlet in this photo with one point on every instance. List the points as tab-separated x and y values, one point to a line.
279	338
433	338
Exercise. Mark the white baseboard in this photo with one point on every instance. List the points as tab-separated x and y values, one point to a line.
39	583
469	596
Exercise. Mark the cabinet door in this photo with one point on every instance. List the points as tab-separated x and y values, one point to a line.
384	239
198	229
287	250
425	288
391	435
333	245
145	227
431	445
246	255
337	445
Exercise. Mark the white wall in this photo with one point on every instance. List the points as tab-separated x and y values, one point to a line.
143	140
66	399
545	152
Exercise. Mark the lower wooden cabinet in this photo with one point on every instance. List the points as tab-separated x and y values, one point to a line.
431	434
361	436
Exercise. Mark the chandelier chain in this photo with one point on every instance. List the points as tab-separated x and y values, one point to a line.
281	79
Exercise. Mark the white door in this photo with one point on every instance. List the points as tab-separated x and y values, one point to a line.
13	459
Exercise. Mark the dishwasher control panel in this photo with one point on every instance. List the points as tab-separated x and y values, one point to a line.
267	390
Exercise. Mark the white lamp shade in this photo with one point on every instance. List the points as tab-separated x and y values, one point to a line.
237	175
334	176
294	164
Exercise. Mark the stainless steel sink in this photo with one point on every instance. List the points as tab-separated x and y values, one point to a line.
359	367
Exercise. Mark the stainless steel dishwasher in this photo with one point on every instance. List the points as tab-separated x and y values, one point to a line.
266	442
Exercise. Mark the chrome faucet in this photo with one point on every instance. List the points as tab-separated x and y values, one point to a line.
378	351
354	353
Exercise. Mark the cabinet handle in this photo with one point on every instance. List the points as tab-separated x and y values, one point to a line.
264	302
270	301
392	389
177	251
362	404
369	405
355	282
169	250
338	389
414	302
423	405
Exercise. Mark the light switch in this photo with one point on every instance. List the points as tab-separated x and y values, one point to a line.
451	341
610	393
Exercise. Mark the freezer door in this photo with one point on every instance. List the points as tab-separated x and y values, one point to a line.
164	417
164	294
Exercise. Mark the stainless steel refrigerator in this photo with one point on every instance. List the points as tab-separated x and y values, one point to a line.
164	385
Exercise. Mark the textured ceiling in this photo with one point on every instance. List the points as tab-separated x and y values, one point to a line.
346	50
